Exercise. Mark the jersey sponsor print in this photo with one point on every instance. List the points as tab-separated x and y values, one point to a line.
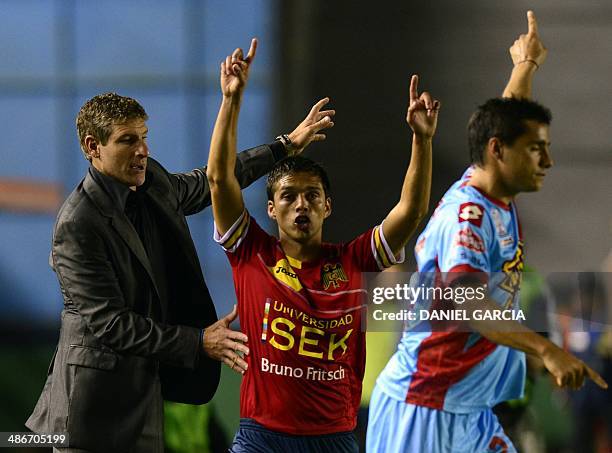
469	232
304	323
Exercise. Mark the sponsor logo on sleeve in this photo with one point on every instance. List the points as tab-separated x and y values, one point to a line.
472	213
420	245
498	445
470	240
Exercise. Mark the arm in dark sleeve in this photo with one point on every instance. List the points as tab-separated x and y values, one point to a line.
89	282
193	189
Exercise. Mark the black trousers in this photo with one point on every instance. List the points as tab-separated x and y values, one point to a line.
151	440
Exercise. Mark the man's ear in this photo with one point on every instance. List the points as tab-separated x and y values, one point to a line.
495	149
271	210
91	147
328	207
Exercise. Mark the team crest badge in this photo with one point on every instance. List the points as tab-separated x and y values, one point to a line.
333	274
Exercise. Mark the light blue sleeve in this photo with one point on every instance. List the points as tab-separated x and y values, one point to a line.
465	238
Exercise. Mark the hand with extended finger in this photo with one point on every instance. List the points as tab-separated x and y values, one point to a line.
567	370
528	49
235	71
422	116
309	130
226	345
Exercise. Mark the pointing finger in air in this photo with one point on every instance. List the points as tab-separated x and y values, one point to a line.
596	378
252	51
414	94
532	23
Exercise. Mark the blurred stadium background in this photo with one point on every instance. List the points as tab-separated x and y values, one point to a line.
55	54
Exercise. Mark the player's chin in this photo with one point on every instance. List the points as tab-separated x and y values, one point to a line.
138	180
302	236
534	186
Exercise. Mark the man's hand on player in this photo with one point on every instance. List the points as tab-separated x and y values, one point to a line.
226	345
567	370
309	130
528	49
235	71
423	110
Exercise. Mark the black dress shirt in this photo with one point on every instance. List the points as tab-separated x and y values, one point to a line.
138	208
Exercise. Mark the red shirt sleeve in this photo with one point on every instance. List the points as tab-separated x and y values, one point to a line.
370	251
244	239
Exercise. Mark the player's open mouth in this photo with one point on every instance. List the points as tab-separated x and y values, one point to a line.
302	222
137	167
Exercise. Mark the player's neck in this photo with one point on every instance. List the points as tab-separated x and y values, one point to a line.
302	251
489	183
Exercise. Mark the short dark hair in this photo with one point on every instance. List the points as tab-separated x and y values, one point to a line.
100	113
296	164
503	118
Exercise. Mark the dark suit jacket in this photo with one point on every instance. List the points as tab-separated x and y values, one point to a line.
100	380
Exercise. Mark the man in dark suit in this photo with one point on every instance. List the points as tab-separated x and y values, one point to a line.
138	324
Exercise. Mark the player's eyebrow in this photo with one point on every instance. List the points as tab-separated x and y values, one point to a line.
540	142
132	134
290	188
129	131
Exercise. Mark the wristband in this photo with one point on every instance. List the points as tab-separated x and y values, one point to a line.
530	61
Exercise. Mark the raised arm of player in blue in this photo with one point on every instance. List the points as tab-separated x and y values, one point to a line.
528	54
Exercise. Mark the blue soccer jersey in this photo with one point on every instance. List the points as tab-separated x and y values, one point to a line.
463	372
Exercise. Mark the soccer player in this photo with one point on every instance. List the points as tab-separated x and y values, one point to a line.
300	299
437	391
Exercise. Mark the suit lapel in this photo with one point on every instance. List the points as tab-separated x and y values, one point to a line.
120	223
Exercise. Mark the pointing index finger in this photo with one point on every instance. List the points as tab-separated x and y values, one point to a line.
252	50
596	378
414	94
532	23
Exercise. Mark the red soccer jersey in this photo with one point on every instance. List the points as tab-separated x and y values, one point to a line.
304	323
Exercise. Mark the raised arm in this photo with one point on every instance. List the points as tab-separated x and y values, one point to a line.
528	54
193	190
403	219
224	186
225	191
